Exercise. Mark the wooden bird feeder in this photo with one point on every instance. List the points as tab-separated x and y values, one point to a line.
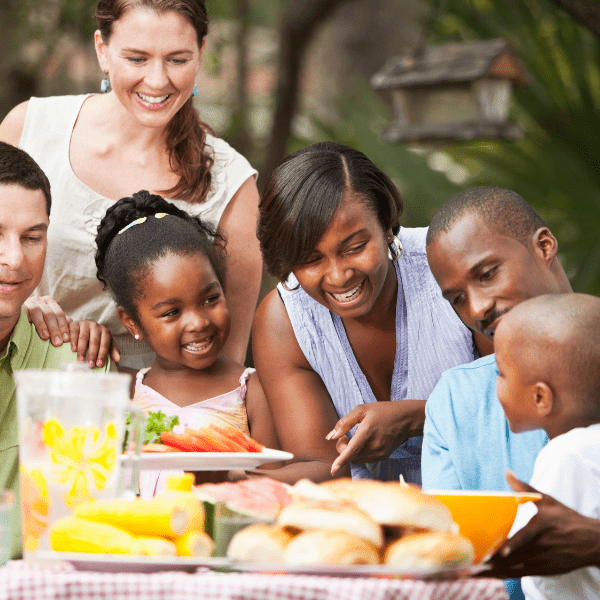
459	91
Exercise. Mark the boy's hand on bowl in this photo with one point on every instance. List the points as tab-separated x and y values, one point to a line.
556	540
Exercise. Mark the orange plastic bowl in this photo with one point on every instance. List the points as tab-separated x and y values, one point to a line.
485	518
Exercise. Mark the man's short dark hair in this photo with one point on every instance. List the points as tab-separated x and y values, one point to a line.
502	210
18	168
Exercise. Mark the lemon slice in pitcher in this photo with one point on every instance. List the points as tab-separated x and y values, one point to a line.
83	458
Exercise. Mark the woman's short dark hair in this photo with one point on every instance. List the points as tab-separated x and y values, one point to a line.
303	193
124	257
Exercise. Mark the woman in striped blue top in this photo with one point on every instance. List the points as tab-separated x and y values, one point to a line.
357	333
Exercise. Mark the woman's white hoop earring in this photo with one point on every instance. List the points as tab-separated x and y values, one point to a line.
287	289
395	249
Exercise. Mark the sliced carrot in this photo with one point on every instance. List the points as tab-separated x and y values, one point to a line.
234	434
244	440
237	436
184	442
229	441
202	441
217	439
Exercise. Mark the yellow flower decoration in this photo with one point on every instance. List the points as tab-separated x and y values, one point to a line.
83	458
35	506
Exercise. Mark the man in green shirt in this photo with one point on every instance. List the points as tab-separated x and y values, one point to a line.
24	218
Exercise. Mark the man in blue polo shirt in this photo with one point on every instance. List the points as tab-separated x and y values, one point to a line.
488	251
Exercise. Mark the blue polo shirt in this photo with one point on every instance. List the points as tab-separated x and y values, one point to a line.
467	444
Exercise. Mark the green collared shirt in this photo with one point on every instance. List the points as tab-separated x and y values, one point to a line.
25	350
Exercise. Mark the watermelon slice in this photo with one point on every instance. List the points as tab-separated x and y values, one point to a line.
261	498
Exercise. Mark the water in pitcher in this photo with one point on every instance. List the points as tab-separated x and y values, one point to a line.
71	427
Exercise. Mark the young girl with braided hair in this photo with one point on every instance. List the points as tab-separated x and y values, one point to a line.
166	270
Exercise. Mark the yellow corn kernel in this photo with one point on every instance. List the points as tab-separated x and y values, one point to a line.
180	483
156	546
189	502
73	534
167	516
194	543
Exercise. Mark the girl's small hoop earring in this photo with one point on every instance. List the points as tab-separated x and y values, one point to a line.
395	249
287	289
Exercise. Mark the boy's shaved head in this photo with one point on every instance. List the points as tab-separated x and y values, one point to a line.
556	339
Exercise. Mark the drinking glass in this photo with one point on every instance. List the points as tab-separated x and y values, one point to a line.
7	499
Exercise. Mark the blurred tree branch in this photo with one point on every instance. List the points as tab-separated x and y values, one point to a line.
298	24
586	12
240	133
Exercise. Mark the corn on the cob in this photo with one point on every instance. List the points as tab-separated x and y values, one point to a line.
73	534
180	483
171	514
156	546
194	543
190	503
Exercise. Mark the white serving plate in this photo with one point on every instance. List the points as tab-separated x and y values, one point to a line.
381	570
204	461
111	563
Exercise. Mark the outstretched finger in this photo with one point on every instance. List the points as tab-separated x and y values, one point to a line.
115	353
352	449
36	317
345	424
98	345
82	341
74	336
105	347
47	315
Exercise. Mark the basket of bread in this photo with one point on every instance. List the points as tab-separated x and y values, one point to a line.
356	522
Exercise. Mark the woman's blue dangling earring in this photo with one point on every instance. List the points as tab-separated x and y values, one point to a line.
195	90
105	84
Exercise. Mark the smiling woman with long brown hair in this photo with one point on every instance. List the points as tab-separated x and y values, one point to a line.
357	332
143	132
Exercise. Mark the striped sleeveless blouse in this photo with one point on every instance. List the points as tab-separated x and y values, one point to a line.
430	339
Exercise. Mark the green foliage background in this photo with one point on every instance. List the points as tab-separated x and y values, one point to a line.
556	166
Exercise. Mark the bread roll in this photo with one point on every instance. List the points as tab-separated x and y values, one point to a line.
259	543
305	489
306	514
429	550
326	547
390	503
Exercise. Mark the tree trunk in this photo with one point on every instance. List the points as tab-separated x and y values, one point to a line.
586	12
240	134
298	25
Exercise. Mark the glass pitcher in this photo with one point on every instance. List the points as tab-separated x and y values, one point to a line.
71	431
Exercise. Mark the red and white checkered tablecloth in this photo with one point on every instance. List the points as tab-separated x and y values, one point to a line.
20	580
